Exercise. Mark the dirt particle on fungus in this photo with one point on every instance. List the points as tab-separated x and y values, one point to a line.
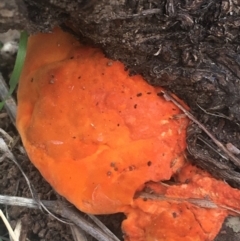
187	181
109	63
109	173
135	106
131	168
160	94
149	163
52	81
174	215
112	164
139	94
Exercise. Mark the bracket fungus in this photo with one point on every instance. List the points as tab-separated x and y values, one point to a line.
101	137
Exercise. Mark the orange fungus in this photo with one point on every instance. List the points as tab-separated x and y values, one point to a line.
98	135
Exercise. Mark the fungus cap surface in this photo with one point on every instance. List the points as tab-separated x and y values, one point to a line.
95	133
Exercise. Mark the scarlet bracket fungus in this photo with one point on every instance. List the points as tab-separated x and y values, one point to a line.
98	136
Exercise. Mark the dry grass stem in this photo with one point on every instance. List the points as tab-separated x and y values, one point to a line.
8	226
65	211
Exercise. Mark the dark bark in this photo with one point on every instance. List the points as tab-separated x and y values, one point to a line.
189	47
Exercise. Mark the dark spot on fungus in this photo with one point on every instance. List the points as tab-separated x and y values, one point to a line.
149	163
112	164
144	199
72	57
187	181
160	94
79	77
135	106
139	94
149	93
115	169
131	168
118	124
174	215
31	79
74	137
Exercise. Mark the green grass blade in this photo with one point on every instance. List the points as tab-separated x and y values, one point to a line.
18	65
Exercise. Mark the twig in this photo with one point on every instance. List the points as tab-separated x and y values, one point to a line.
213	114
233	158
102	226
78	234
203	203
10	104
23	202
212	147
64	211
141	14
6	135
